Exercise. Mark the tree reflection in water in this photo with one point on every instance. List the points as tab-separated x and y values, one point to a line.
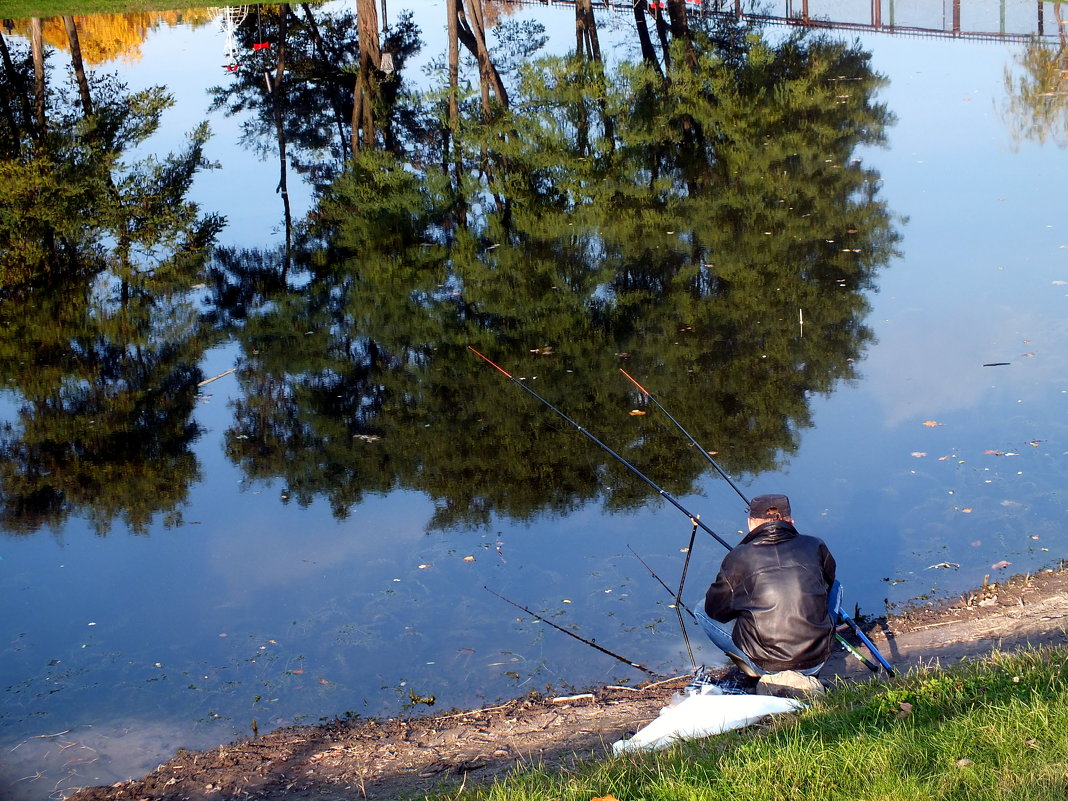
708	228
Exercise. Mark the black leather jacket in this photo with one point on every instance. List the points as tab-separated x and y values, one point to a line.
774	585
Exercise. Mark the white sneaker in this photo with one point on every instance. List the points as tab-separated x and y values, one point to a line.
789	684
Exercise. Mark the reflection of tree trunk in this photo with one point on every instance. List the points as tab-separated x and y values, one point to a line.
646	41
278	96
680	29
15	80
473	35
680	26
78	65
662	34
451	145
363	120
586	31
588	48
37	46
330	60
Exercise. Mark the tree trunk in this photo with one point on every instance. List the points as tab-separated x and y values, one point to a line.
37	46
646	41
586	42
451	149
665	42
330	60
278	97
15	80
78	65
363	120
473	36
680	28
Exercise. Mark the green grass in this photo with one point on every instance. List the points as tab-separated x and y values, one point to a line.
996	729
22	9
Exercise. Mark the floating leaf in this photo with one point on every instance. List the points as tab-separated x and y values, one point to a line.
919	454
636	412
967	510
1000	565
992	453
469	558
932	423
424	566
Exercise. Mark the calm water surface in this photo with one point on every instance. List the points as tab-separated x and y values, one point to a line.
261	576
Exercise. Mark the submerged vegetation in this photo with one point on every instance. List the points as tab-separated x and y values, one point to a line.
990	730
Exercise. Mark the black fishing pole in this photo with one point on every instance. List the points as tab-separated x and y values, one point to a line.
687	434
572	634
663	493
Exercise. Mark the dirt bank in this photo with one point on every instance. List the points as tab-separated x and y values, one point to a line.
406	757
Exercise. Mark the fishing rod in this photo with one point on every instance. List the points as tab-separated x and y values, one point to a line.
687	434
662	492
569	633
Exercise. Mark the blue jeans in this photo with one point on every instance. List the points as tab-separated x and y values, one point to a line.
721	638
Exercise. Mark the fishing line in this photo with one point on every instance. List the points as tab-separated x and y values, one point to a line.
572	634
679	606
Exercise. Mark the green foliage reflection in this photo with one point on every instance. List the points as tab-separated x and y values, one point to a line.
713	233
99	343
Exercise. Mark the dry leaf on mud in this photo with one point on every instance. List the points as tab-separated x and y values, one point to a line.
904	709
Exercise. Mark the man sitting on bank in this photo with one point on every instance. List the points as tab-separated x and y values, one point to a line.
774	586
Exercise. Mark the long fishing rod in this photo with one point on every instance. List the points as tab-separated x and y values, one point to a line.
590	643
687	434
663	493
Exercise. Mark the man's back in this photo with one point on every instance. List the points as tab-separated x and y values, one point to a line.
774	584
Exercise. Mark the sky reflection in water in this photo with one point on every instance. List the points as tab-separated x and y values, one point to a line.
258	609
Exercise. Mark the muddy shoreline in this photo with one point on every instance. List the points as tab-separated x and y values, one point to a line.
406	757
